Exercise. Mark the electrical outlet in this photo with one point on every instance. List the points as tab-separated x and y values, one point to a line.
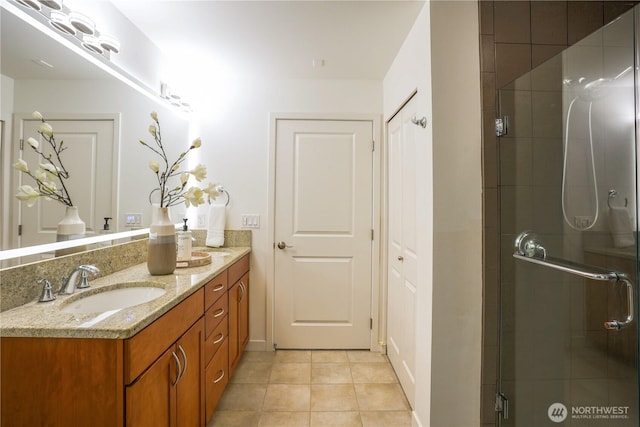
250	220
133	220
202	221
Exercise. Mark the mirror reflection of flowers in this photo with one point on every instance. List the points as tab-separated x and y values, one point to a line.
51	174
170	195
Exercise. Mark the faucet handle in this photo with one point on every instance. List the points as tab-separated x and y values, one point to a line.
47	292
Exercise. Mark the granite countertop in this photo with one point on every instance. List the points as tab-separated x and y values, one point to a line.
37	319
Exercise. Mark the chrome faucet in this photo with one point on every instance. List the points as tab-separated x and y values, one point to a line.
69	283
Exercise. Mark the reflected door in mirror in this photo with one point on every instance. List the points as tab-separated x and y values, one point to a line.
89	159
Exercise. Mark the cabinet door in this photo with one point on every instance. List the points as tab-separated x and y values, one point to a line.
243	314
150	401
234	327
190	398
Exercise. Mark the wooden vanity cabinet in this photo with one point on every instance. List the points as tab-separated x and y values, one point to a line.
171	373
170	391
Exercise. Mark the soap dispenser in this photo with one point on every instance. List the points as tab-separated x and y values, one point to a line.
184	243
106	229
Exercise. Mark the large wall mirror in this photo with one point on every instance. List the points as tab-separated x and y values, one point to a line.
38	73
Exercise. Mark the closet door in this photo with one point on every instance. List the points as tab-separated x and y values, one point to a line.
402	260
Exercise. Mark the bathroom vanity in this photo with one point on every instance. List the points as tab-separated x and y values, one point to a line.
165	362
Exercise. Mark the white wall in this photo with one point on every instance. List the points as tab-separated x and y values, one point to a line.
440	59
409	72
457	215
6	110
235	149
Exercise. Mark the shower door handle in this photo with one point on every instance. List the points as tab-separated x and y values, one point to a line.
528	248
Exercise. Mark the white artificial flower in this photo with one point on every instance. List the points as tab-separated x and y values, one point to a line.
46	129
41	176
33	142
196	143
49	168
50	186
27	193
211	191
154	166
152	130
36	115
199	172
194	196
184	177
154	116
21	165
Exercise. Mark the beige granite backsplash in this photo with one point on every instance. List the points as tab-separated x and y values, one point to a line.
18	284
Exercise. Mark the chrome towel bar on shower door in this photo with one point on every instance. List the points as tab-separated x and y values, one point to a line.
528	248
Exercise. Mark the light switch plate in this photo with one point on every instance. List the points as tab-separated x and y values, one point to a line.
133	220
250	220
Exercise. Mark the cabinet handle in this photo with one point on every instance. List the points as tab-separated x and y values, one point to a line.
184	357
179	366
219	339
244	291
219	313
218	288
216	381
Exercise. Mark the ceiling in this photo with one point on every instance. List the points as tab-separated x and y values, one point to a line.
354	39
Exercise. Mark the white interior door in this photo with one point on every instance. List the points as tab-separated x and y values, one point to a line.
402	259
323	214
89	158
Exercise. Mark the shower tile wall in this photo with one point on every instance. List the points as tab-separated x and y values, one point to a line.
516	36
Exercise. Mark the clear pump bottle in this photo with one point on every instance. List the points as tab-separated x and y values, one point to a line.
184	243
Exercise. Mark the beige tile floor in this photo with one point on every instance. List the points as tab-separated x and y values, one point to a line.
313	388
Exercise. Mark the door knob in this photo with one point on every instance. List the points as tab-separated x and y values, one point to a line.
282	245
400	258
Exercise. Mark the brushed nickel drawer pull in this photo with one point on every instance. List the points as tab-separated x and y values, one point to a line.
175	356
218	288
219	339
219	313
216	381
184	357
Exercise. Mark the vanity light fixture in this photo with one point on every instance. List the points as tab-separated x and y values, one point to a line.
52	4
31	4
109	42
60	21
91	43
82	23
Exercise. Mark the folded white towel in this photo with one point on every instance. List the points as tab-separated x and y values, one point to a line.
215	230
621	228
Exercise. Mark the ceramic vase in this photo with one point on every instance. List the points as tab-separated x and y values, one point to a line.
161	254
71	227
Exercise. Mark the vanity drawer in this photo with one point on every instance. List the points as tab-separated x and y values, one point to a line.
237	269
215	289
216	378
215	314
214	341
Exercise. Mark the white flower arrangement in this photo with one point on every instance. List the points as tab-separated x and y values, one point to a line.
171	196
51	174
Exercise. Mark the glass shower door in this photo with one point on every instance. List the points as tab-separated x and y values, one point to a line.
569	257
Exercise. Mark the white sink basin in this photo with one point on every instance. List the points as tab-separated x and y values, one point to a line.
112	298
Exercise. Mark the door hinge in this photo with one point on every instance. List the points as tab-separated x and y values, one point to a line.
275	346
502	405
372	234
373	146
21	144
502	126
20	230
370	323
